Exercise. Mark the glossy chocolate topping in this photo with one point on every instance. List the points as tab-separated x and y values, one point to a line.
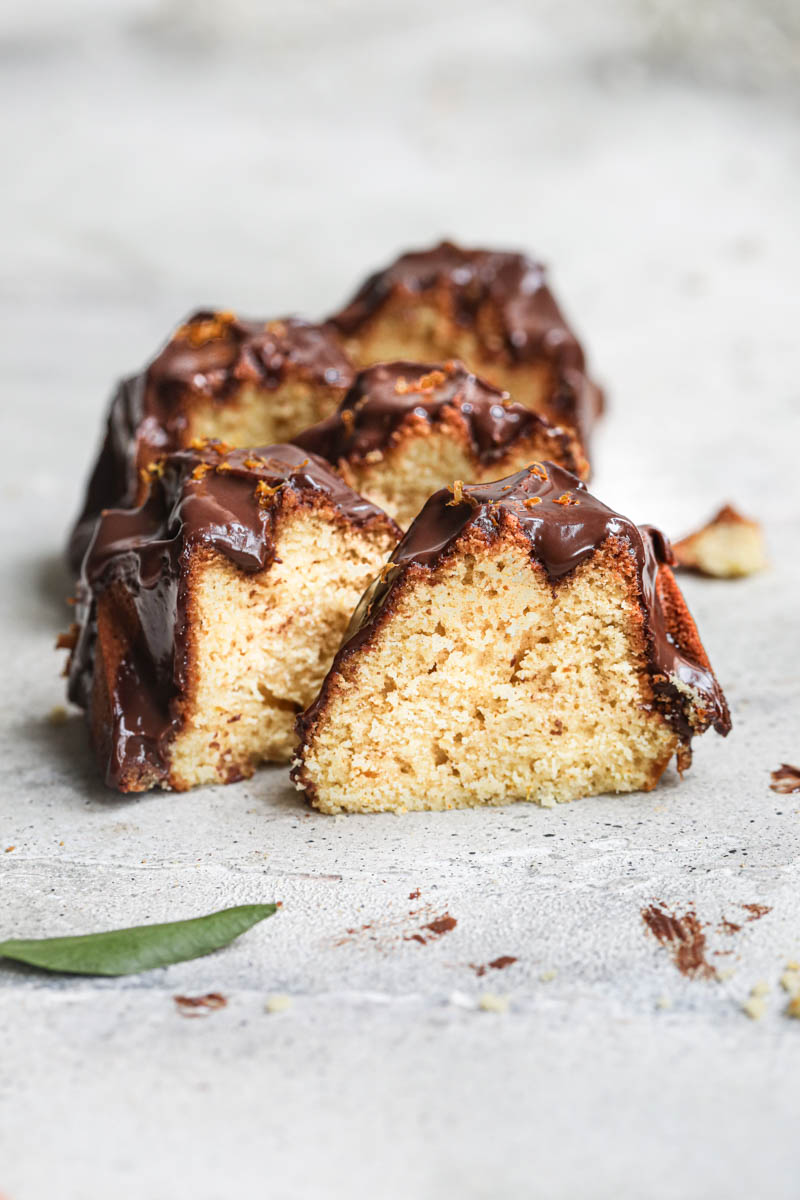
384	398
212	355
564	525
209	498
512	285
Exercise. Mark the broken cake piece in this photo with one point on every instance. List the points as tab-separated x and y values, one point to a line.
405	429
208	617
524	642
728	547
491	309
249	383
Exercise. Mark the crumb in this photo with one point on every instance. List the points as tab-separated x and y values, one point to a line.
755	1007
199	1006
547	976
725	975
58	715
790	980
8	849
728	547
793	1007
489	1002
663	1002
785	779
756	1004
547	802
278	1003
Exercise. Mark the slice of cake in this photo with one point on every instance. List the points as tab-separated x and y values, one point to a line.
524	642
728	547
491	309
249	383
208	617
405	429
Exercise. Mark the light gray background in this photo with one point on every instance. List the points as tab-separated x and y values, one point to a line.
162	155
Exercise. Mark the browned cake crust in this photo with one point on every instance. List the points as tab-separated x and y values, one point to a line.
561	528
135	663
393	402
492	309
209	363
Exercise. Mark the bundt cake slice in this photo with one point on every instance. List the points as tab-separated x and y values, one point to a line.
404	429
491	309
249	383
524	642
208	617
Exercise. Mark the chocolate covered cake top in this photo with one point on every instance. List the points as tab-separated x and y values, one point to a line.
383	398
212	355
531	323
564	525
207	497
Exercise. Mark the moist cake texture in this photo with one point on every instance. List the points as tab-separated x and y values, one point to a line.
208	617
524	642
404	429
491	309
247	382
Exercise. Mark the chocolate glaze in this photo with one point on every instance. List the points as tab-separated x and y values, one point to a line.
515	287
204	498
384	397
212	354
564	525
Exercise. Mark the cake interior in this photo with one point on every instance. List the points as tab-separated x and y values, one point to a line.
420	332
259	644
258	416
488	684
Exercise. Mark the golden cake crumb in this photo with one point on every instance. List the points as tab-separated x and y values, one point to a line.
729	546
277	1003
490	1002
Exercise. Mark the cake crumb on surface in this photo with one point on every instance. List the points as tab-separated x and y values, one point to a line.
756	1004
548	976
58	715
729	546
793	1007
490	1002
277	1003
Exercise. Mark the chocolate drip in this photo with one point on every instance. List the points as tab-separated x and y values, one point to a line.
204	498
531	324
211	355
564	525
385	396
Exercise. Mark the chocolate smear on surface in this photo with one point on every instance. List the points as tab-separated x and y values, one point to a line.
683	937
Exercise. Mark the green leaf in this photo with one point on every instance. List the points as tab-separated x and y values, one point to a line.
126	951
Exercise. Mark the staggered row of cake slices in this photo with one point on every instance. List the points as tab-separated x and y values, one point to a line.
521	641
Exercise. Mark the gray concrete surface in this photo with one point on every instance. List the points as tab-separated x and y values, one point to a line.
162	155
